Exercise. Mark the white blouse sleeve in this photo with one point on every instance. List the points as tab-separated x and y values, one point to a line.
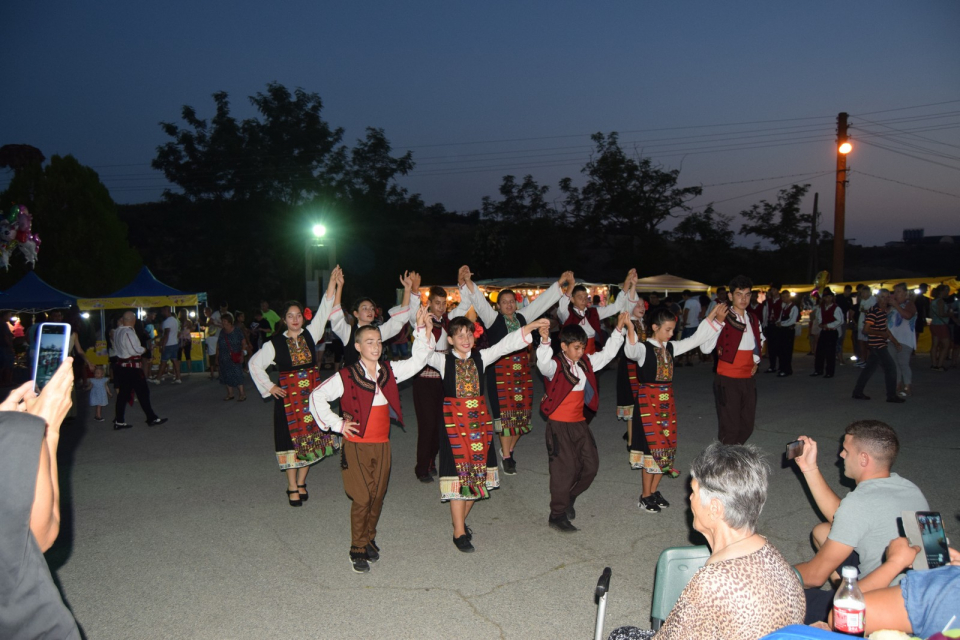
258	368
514	341
705	331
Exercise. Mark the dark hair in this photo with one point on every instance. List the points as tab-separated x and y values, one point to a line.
362	330
923	287
776	285
878	438
829	292
359	301
224	304
506	292
596	300
226	315
577	289
686	292
459	324
742	282
437	292
291	303
660	315
573	333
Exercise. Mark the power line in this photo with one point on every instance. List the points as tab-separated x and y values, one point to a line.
909	155
907	184
920	106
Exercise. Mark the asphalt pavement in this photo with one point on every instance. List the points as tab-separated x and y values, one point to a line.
184	531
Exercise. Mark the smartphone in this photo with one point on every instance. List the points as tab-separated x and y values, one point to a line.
925	530
52	346
794	449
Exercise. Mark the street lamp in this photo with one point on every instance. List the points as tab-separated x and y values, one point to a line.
315	276
845	148
319	231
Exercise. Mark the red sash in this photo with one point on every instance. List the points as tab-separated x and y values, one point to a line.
378	425
571	409
741	367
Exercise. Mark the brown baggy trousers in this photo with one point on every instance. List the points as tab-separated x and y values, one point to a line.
574	462
366	473
736	400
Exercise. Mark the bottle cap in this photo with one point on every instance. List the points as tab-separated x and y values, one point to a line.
849	571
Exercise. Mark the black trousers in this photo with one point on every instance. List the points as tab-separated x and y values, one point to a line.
772	333
882	358
428	404
826	351
736	400
130	381
785	339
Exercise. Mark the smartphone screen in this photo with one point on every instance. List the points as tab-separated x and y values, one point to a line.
934	538
53	343
794	449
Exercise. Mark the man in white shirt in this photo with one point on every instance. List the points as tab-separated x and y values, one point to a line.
130	377
689	321
169	346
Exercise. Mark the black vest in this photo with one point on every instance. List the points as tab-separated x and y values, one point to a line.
282	353
450	374
647	374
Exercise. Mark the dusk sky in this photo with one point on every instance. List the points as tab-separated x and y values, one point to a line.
481	90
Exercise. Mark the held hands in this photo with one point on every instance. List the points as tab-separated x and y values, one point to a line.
623	319
335	276
630	281
277	392
464	277
566	279
545	332
415	282
424	319
350	428
536	325
807	461
407	281
719	313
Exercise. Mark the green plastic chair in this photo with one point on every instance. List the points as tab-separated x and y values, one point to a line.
674	569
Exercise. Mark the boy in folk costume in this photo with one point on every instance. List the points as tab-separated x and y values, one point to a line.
369	398
571	385
365	312
786	326
510	380
772	306
655	411
573	310
738	346
831	319
468	461
427	385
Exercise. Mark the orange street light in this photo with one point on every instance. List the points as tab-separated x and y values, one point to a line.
845	148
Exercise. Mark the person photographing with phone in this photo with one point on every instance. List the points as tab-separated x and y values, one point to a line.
30	605
859	526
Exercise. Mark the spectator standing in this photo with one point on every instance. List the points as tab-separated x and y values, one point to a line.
270	316
922	303
169	346
865	301
901	321
845	302
241	325
831	319
147	332
230	347
690	321
939	327
875	327
186	340
212	330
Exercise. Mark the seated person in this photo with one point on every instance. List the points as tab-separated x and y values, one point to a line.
760	591
858	527
922	604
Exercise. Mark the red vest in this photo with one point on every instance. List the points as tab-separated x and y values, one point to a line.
358	391
729	341
593	319
756	312
828	315
773	310
785	312
563	383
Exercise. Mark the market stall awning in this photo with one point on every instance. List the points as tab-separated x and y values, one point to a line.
669	284
32	295
144	291
912	283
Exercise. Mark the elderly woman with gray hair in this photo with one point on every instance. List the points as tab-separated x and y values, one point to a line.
746	589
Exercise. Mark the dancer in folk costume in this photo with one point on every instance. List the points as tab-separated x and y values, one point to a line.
428	391
653	446
298	440
364	311
369	397
574	310
468	461
510	379
627	369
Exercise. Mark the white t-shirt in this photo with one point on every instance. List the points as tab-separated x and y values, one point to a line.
173	338
692	307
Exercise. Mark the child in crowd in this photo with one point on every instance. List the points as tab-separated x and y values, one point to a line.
186	340
99	392
571	385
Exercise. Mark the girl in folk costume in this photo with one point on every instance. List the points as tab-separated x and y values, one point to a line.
468	462
365	312
369	397
427	385
627	369
653	447
298	440
573	310
510	379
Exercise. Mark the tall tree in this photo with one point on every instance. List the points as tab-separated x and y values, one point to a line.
523	202
84	248
781	222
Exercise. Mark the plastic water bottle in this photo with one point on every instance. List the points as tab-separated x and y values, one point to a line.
849	607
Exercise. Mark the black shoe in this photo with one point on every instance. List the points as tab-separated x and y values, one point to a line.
829	375
121	425
373	551
469	533
783	374
571	512
463	543
425	479
649	504
660	500
814	375
98	419
770	370
156	422
562	524
294	503
860	396
358	562
305	495
433	471
509	467
896	400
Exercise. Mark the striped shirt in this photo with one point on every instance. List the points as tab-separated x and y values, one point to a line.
876	319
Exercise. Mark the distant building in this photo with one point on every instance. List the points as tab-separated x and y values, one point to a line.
914	237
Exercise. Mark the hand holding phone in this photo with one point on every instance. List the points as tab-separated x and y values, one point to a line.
52	347
794	449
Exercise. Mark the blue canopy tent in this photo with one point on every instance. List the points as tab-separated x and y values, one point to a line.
32	295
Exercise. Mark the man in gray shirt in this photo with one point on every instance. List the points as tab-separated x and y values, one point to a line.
861	525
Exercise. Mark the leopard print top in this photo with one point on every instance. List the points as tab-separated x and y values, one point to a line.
740	599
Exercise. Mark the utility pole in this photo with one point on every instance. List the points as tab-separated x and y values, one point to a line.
840	201
813	238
